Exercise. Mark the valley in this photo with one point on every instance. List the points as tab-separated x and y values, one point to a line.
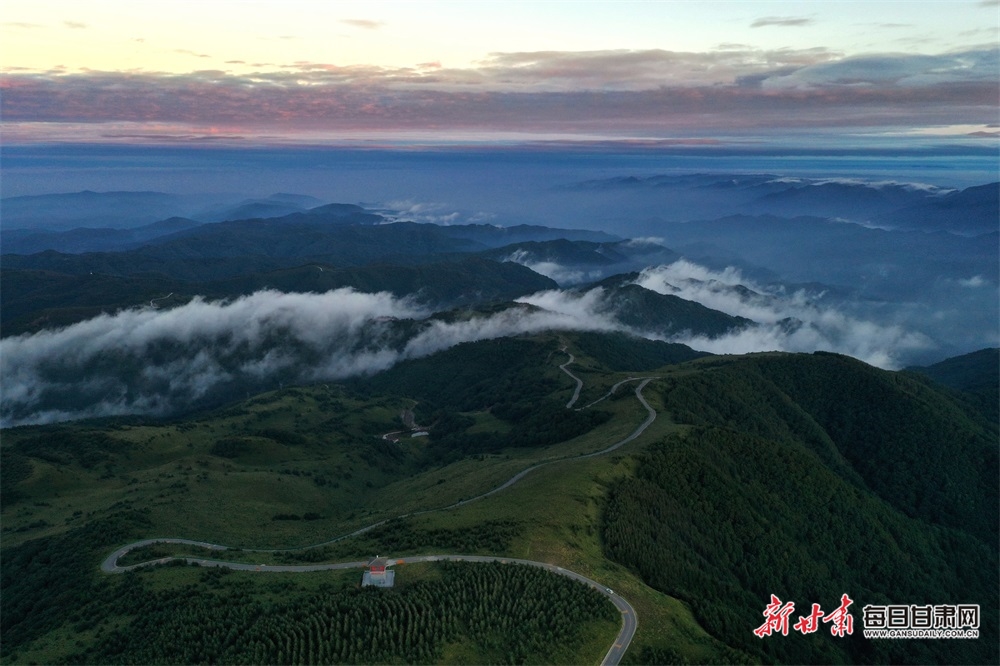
561	513
234	417
548	333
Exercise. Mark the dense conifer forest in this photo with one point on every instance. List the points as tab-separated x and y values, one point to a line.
809	478
509	613
500	613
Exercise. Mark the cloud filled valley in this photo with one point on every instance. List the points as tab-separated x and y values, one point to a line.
308	291
159	362
794	322
166	361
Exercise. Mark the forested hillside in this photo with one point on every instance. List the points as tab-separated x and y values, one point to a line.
621	352
803	476
47	299
809	477
975	375
491	613
500	378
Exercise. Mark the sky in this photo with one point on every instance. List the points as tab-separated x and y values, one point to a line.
668	73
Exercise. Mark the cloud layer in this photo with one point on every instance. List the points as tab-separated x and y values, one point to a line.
795	322
615	92
781	21
561	274
148	361
154	362
160	362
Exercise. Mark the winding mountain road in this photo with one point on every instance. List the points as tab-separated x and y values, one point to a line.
630	621
629	618
152	302
579	382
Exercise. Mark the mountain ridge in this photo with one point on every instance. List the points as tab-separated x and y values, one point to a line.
747	486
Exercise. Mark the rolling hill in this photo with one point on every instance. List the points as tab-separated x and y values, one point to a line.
808	477
976	376
804	476
316	383
46	299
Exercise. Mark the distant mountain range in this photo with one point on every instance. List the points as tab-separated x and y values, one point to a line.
574	262
882	264
89	239
126	210
91	209
972	211
276	205
266	223
925	276
183	372
34	299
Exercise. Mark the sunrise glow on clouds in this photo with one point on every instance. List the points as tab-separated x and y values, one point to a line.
320	71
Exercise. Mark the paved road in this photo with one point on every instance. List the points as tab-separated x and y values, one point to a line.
579	382
109	563
614	655
650	417
629	618
153	301
611	392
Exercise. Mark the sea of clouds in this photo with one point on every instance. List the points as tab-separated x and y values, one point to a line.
150	361
160	362
797	321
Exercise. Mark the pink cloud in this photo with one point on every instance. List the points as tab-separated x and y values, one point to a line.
664	94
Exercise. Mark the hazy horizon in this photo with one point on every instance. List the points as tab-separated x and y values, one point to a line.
352	174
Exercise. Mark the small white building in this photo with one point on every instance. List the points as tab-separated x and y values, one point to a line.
378	574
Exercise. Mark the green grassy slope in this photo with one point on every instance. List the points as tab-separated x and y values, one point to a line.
287	468
762	474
